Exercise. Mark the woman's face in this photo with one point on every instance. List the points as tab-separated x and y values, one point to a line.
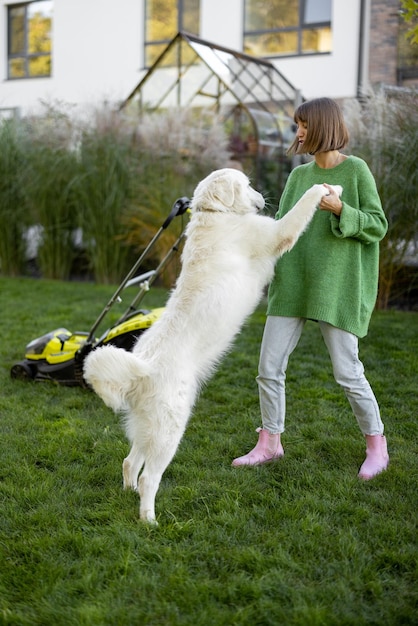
301	132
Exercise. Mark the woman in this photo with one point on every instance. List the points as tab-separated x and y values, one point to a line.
331	276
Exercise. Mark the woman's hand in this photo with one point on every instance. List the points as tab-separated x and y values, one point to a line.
331	202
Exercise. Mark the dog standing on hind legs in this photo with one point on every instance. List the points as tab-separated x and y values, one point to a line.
227	260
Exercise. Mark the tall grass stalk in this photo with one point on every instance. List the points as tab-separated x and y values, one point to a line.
13	209
51	176
48	182
105	194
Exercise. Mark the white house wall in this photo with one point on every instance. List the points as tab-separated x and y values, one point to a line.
222	22
98	52
103	55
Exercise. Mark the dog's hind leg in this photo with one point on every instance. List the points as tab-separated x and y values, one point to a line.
148	486
160	442
132	466
150	479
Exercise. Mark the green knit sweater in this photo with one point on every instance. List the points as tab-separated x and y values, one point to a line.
331	274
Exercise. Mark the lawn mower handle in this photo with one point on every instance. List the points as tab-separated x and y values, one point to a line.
179	207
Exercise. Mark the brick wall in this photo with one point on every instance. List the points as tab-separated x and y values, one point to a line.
384	26
384	40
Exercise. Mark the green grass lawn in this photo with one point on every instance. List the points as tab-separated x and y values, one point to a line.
300	542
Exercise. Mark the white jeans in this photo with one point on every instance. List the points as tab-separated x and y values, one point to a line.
281	336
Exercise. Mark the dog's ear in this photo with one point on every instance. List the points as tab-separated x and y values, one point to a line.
222	190
219	191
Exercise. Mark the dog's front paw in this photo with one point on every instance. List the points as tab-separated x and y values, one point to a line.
335	188
319	191
338	189
316	193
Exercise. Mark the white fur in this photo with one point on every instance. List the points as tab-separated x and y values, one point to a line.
227	260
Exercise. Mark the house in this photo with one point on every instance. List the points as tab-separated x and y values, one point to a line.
86	52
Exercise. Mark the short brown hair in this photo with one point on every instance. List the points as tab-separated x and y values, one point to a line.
326	129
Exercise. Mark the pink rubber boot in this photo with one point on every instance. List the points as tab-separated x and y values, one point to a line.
377	458
268	448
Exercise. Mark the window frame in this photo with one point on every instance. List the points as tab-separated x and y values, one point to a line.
25	54
149	43
302	27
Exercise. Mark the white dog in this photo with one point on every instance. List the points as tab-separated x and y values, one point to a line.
227	260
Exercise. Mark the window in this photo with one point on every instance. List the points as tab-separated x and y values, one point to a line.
30	39
287	27
164	19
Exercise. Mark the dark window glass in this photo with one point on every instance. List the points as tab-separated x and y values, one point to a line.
164	19
287	27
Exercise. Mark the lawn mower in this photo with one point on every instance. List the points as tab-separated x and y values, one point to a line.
59	355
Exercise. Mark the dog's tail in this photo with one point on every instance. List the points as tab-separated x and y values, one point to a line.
114	373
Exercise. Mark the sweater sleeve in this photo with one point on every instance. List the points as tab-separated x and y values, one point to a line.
362	216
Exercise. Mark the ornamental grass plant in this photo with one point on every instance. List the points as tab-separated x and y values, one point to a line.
384	132
50	196
105	193
99	188
13	210
299	542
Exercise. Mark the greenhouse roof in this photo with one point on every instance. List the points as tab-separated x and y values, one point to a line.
192	72
252	98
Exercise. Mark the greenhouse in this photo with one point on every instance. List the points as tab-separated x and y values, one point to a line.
255	101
